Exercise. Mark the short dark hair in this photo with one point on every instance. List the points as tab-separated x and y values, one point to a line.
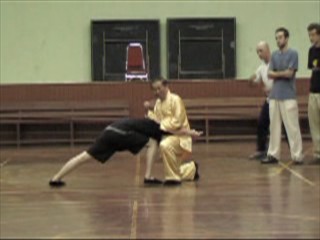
164	81
314	26
284	30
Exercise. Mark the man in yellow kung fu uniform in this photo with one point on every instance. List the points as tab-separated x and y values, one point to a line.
169	111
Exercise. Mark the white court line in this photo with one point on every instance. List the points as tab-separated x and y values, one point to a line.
281	169
5	162
307	151
297	174
137	177
286	167
133	233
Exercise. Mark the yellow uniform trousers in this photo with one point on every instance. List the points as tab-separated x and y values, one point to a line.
173	157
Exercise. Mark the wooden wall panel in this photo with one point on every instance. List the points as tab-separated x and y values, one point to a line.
133	92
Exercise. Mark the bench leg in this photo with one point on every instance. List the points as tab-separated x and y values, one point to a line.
18	134
207	130
71	134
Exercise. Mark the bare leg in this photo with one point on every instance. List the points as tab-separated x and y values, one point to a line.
72	164
150	157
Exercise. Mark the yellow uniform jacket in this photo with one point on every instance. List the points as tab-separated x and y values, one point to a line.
171	114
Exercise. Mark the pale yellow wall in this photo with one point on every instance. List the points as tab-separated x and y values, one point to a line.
49	41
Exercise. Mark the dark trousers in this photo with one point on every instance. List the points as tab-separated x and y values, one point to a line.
263	128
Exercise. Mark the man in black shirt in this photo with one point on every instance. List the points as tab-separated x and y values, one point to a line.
314	96
125	134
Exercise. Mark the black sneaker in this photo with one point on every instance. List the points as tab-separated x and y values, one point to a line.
298	162
57	184
269	160
152	181
196	175
315	161
172	183
258	155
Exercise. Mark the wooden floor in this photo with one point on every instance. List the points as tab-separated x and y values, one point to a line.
234	198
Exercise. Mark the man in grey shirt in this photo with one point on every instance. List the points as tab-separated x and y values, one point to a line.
283	104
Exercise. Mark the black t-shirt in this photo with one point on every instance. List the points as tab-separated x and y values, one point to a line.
144	126
314	61
130	134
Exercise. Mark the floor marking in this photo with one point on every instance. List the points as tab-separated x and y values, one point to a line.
248	214
281	169
5	162
137	177
307	151
298	175
133	234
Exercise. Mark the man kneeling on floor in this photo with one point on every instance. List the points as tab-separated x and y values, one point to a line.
169	111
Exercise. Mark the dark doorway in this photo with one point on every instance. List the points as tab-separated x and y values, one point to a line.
109	43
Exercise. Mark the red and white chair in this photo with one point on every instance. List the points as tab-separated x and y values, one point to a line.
135	64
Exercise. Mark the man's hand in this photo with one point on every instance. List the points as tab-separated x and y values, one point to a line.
149	113
147	105
194	133
272	74
191	132
251	80
266	91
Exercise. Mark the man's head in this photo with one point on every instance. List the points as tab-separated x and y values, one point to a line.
282	37
160	88
263	51
314	33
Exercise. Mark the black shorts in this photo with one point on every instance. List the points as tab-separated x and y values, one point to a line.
110	142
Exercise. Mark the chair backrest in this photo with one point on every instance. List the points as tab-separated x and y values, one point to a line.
135	58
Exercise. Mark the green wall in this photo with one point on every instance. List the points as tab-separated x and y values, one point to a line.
49	41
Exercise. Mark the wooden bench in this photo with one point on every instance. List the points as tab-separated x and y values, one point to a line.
61	117
229	110
78	122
